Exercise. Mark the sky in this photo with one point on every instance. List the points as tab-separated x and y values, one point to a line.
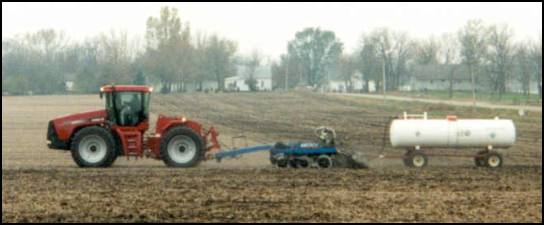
268	27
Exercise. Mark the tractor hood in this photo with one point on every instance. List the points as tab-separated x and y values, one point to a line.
80	118
66	125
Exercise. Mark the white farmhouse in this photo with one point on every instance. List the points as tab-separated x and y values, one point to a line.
263	77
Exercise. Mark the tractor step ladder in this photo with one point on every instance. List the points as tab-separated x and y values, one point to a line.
132	143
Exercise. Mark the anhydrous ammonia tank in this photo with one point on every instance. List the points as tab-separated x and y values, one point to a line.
452	133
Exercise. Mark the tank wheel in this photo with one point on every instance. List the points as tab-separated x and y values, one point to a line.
324	162
406	160
407	163
479	160
493	160
181	147
93	147
416	159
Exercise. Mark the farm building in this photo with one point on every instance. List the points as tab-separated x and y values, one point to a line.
263	77
437	77
203	86
343	86
189	86
69	85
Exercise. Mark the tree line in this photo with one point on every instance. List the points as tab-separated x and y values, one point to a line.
173	55
41	62
488	52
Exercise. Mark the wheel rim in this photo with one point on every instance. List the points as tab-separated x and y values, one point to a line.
418	161
93	149
494	161
182	149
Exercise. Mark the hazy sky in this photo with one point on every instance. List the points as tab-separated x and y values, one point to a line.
268	26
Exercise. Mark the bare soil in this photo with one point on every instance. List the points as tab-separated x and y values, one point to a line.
41	185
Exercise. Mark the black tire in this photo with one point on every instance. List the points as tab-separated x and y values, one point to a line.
493	160
100	133
479	162
303	162
324	162
417	160
292	163
407	159
407	162
184	132
282	163
273	159
113	159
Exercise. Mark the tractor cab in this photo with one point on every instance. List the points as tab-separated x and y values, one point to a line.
126	106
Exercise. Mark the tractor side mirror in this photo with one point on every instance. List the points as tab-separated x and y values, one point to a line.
101	95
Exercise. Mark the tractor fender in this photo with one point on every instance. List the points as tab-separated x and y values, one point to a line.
65	127
166	123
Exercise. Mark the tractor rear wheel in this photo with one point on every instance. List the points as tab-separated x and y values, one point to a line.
93	147
181	147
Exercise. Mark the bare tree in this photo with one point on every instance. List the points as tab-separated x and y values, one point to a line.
449	55
402	53
472	39
500	56
523	68
287	73
168	48
315	50
384	55
427	51
252	63
220	55
347	68
114	57
536	58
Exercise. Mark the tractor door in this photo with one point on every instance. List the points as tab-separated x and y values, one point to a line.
127	109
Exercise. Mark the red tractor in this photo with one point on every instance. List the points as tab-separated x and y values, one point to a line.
98	138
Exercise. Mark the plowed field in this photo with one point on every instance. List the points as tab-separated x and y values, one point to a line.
41	185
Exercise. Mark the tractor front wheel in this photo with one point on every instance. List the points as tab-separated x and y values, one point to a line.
93	147
181	147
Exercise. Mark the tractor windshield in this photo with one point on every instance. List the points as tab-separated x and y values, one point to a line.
127	108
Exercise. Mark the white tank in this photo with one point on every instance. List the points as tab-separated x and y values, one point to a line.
452	133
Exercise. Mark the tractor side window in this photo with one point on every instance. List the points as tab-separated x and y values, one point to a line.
130	108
